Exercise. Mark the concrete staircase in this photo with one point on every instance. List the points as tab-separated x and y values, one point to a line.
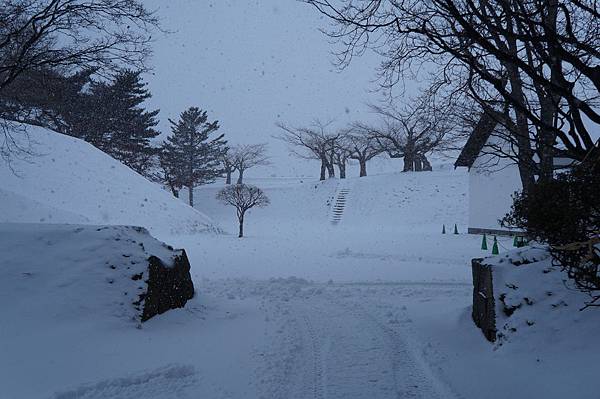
338	207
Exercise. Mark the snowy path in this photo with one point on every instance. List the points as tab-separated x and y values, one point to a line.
338	341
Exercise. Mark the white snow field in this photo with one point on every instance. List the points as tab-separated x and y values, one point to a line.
376	305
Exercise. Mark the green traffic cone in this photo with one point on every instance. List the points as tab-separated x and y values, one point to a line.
443	229
455	229
516	241
484	243
495	247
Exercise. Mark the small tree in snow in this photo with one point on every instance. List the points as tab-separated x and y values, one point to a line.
243	197
190	156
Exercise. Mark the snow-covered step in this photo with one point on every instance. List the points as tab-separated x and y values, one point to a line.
339	206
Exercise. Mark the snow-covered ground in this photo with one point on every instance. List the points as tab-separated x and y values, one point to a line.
377	305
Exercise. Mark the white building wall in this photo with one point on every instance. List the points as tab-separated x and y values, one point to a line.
492	182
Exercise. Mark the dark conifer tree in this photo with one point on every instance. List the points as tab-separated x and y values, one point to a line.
48	98
169	170
118	123
196	154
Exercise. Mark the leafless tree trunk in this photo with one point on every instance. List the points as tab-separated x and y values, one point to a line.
342	168
426	165
191	195
240	179
363	168
330	169
241	221
409	161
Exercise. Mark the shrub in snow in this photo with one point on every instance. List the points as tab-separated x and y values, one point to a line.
563	211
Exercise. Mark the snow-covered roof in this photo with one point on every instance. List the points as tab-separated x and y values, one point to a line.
479	136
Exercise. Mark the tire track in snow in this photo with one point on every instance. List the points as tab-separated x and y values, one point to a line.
421	381
350	350
342	340
166	382
317	368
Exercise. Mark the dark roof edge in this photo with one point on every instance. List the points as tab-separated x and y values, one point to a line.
479	136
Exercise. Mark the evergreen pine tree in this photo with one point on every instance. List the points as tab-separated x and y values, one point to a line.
47	98
191	155
169	170
118	124
108	114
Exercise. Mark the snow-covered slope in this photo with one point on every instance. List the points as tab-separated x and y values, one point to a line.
18	208
70	181
390	225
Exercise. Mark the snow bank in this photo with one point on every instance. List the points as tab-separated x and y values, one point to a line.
68	298
70	181
537	304
95	274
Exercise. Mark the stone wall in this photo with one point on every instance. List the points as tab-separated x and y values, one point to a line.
484	314
168	287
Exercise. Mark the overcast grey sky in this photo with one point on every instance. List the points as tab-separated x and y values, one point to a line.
251	64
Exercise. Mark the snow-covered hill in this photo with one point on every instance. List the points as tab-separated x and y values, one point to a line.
69	181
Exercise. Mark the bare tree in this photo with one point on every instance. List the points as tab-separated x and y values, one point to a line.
243	197
362	145
249	156
412	132
540	58
229	164
70	36
342	152
314	142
